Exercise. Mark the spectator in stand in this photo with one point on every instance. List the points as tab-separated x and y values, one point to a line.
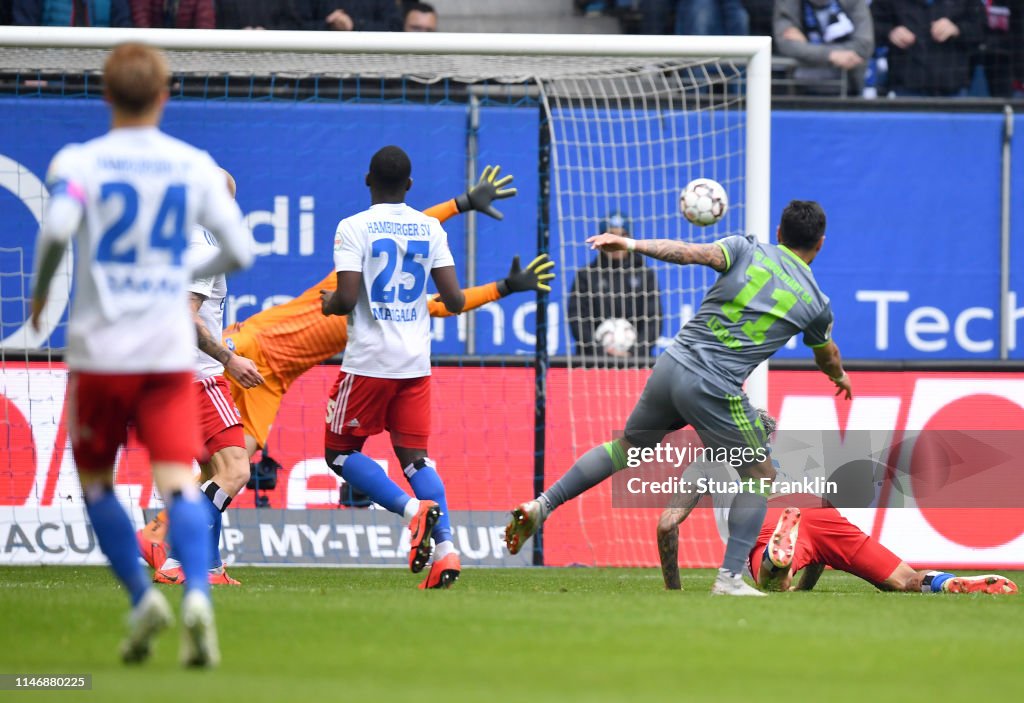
930	44
615	285
1002	47
760	14
72	13
356	15
261	14
419	17
695	17
1017	51
826	37
174	14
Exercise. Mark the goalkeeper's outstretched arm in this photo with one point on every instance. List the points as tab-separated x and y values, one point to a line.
480	197
536	277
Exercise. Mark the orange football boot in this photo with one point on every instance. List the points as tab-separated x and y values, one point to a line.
989	583
174	576
443	573
151	540
420	546
782	544
221	578
525	521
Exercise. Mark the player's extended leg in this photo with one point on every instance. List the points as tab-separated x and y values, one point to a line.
652	418
428	486
728	421
357	408
189	533
906	578
366	476
745	517
668	544
776	570
224	473
590	469
116	537
228	470
222	477
408	421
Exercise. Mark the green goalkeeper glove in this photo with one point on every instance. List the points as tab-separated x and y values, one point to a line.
534	277
488	189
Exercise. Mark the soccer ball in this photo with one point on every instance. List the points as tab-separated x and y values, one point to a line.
703	202
616	336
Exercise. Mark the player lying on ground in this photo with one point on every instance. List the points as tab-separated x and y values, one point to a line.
792	541
224	463
384	382
132	196
809	540
765	295
287	340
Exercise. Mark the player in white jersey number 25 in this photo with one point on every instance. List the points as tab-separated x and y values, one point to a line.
382	257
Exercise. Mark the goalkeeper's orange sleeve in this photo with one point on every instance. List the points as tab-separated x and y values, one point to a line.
476	297
443	211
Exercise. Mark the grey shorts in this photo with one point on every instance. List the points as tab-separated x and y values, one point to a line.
675	397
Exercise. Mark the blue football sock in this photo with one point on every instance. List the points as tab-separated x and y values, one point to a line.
116	537
366	476
216	520
188	526
427	485
746	514
219	501
933	580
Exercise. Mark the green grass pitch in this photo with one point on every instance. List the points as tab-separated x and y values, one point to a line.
526	635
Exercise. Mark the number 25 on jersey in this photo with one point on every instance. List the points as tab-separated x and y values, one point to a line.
384	289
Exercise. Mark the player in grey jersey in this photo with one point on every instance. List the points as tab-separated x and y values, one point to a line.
765	295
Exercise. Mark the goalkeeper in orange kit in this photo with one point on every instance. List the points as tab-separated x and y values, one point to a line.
287	340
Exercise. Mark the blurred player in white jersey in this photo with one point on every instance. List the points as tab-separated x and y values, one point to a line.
131	197
383	257
224	460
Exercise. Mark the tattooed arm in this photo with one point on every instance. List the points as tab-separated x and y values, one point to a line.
669	250
241	369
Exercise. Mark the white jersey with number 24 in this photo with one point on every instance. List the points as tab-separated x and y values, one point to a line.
140	194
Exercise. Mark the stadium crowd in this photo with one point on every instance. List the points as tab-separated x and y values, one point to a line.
915	48
326	15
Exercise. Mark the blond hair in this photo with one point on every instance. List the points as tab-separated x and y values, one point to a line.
134	78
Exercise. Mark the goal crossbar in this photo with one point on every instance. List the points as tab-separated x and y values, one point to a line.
389	42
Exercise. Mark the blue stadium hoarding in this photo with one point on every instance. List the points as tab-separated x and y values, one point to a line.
911	260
